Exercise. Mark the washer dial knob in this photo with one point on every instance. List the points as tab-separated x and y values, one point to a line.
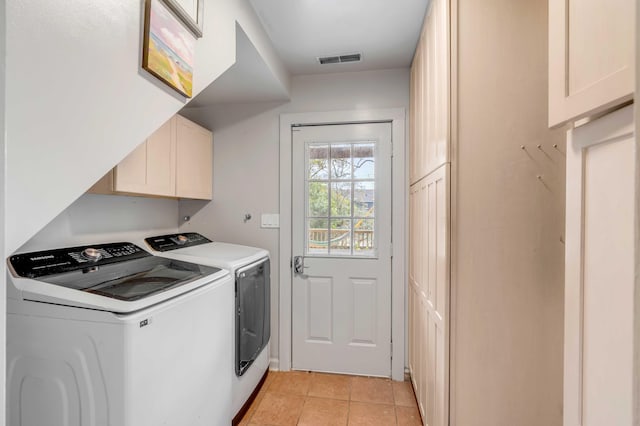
91	254
181	239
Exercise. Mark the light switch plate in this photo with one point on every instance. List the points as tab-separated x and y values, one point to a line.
270	220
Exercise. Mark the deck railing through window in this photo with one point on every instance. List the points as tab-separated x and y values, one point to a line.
340	238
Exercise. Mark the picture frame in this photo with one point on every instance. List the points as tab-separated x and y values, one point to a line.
191	12
168	47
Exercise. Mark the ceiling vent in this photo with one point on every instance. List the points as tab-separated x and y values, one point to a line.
354	57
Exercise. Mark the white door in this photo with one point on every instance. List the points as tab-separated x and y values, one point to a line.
341	220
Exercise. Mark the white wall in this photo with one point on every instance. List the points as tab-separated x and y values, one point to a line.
3	305
107	218
78	101
246	156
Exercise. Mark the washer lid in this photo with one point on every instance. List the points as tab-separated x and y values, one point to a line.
120	271
134	279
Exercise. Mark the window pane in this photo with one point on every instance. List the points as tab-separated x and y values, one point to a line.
318	161
363	237
364	161
318	199
341	161
341	199
340	242
317	236
363	199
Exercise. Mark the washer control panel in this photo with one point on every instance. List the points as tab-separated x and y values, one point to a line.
50	262
175	241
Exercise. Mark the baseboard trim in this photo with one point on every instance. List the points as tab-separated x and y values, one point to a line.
274	364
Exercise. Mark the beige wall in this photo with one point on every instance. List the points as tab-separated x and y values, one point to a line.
246	156
508	254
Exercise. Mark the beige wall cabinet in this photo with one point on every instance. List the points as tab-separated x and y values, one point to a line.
591	57
429	281
175	161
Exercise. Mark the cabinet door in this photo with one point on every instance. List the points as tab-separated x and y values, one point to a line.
194	178
437	291
599	272
430	94
591	57
429	289
419	119
150	168
413	93
439	112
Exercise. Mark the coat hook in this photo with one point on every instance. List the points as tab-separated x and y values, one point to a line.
555	145
521	146
247	217
539	146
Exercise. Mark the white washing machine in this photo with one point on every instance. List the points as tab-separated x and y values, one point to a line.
250	268
110	335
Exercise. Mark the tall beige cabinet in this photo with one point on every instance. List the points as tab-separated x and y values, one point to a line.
429	281
487	193
592	79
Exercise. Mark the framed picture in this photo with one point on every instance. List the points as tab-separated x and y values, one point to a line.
169	47
191	12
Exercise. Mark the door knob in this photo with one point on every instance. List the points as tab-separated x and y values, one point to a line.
298	264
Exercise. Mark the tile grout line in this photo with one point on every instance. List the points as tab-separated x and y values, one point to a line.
349	400
306	394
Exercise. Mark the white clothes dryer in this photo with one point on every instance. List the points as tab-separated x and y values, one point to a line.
250	268
109	335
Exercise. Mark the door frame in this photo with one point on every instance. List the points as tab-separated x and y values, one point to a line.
399	215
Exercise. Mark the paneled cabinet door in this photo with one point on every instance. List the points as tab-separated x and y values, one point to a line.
437	290
194	171
413	94
150	168
429	115
599	272
417	120
439	75
429	291
591	57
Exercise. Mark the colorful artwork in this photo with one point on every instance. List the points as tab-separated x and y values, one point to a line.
168	48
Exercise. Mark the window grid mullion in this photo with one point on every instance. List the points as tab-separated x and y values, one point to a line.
330	192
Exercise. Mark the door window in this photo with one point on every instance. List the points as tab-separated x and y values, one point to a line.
340	199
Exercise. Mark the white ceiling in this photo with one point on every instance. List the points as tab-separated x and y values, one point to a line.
384	31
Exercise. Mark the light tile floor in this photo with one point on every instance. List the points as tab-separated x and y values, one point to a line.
318	399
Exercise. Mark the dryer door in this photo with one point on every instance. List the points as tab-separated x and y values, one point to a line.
252	313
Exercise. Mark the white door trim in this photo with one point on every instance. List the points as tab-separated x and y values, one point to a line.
399	212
